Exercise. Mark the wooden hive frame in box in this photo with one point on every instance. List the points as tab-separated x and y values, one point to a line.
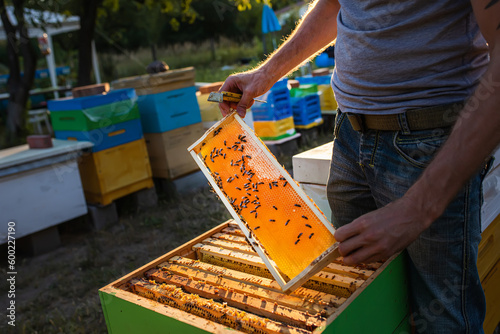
158	297
312	266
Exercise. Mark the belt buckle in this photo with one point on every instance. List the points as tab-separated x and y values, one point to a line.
357	122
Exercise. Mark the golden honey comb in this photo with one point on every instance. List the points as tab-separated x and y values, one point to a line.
285	222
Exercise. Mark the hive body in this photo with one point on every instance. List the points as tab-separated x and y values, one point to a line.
186	291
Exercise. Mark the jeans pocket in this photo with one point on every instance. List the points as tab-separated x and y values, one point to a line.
339	119
419	147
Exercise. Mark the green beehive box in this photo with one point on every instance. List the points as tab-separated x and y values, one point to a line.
93	112
304	90
379	304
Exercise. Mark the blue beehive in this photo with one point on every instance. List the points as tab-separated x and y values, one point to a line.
278	104
106	120
169	110
106	137
319	80
306	109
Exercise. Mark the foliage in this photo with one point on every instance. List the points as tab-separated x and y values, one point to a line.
176	56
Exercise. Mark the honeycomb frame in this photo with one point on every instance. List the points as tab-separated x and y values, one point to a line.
286	283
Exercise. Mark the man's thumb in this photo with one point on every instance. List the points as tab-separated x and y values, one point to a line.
243	105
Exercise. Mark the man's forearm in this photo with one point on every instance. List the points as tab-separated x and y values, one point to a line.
474	137
316	30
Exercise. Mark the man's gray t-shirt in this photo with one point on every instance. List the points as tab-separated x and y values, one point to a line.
392	56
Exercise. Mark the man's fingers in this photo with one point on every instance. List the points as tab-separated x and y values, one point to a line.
227	107
347	231
362	255
350	245
245	103
224	108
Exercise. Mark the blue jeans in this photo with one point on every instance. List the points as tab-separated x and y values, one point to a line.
373	168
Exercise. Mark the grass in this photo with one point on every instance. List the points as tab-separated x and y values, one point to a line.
209	62
58	292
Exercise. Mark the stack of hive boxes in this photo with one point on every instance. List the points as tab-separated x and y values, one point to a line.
170	118
274	120
118	163
326	98
306	106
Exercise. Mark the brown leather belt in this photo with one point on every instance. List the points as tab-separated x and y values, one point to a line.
411	120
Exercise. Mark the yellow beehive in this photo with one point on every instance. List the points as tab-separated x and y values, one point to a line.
115	172
274	129
209	111
288	231
326	98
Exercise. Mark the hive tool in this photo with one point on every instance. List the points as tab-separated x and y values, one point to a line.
227	96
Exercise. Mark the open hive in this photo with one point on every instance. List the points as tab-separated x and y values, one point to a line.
217	283
284	226
222	279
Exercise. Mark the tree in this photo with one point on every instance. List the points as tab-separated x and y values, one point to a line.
88	16
153	14
18	46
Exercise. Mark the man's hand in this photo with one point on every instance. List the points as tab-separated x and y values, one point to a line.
381	233
250	84
316	30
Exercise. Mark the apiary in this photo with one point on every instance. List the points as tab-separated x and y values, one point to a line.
284	226
217	283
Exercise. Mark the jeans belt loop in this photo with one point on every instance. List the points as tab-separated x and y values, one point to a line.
357	122
403	123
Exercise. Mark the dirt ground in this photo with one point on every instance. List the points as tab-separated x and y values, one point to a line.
58	292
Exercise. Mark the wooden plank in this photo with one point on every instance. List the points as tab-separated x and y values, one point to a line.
173	296
243	288
353	272
231	255
322	276
370	266
239	299
305	299
312	296
229	237
237	245
233	229
244	248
